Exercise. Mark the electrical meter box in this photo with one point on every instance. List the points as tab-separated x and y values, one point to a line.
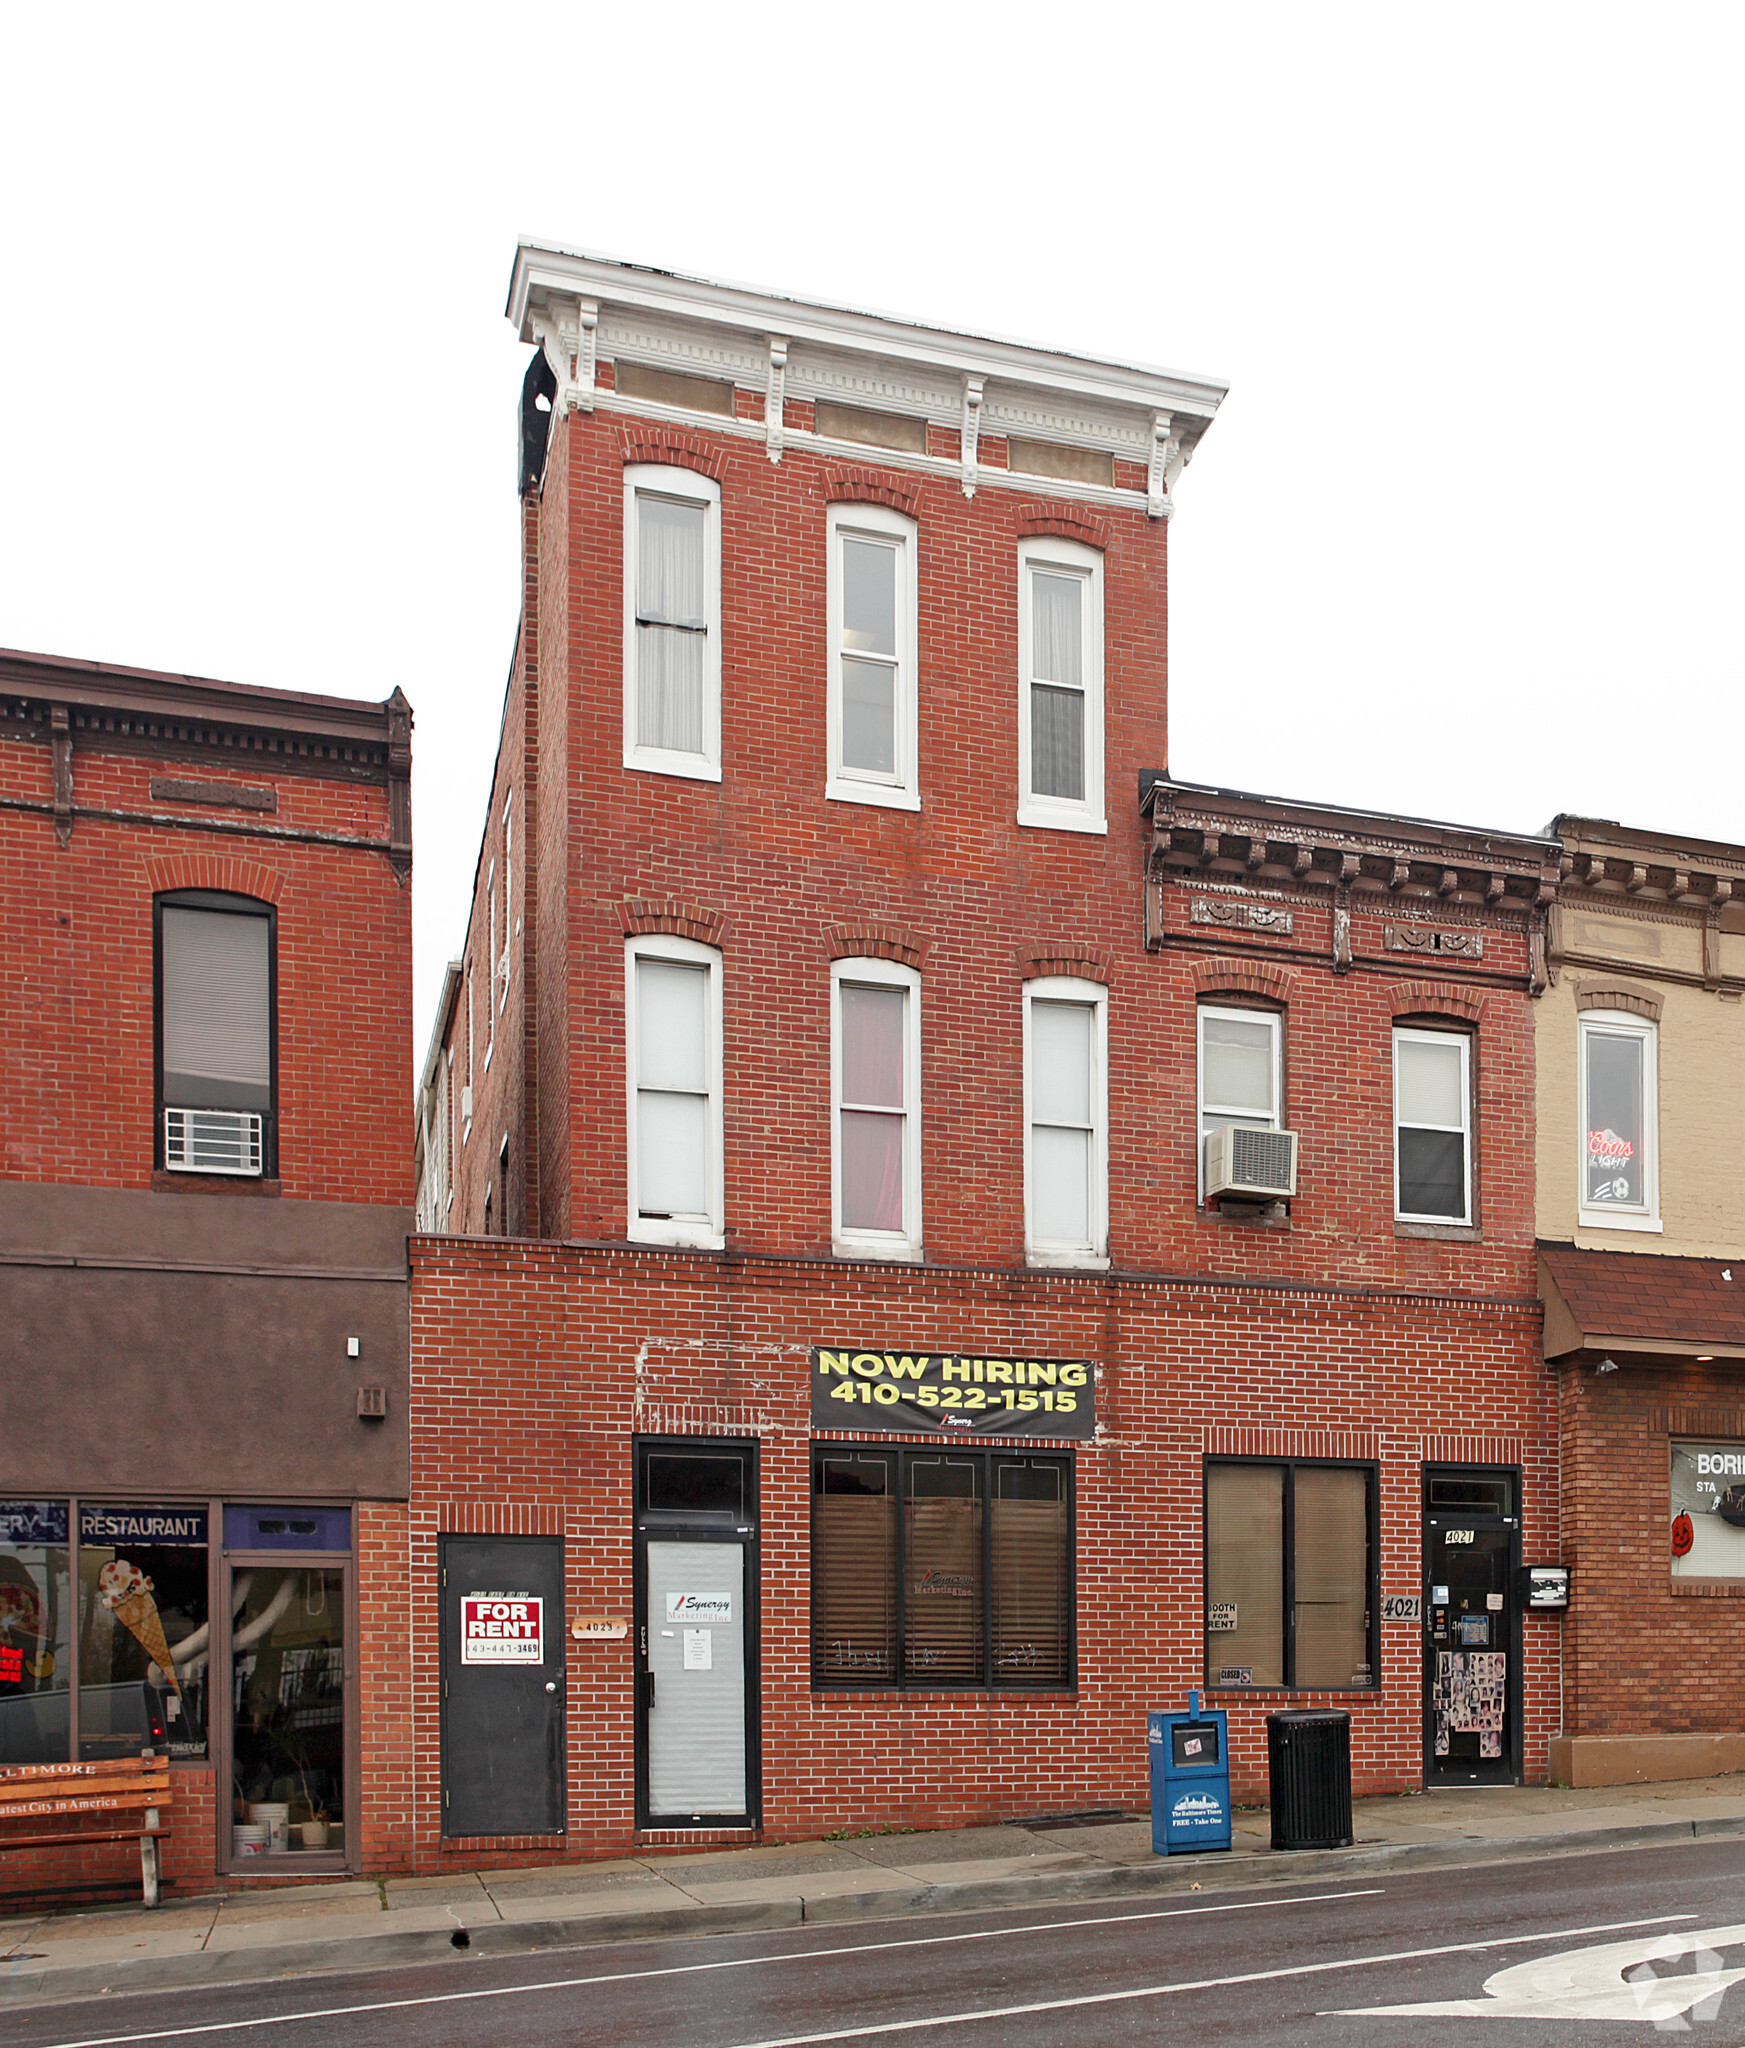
1190	1780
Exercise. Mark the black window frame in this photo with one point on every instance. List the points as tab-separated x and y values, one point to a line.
988	1455
1370	1467
233	904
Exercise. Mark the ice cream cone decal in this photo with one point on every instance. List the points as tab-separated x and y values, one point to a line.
126	1591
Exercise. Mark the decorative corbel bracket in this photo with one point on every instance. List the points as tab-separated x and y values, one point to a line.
567	334
60	739
400	783
1724	890
974	390
1164	466
775	397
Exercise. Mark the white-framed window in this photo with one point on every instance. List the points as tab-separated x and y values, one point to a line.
508	900
872	697
490	963
1618	1090
672	621
1241	1068
672	1002
1066	1122
1432	1126
1060	685
875	1090
466	1096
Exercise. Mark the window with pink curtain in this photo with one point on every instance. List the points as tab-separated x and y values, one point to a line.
874	1113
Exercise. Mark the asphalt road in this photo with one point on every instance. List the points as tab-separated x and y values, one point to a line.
1581	1949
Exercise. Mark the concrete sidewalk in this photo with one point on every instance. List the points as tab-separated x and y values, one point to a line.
317	1928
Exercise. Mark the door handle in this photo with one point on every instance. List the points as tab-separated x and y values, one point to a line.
648	1696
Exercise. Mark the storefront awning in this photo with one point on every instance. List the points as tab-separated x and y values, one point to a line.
1641	1303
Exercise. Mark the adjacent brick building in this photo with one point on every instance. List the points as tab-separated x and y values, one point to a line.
1641	1078
204	1201
871	1379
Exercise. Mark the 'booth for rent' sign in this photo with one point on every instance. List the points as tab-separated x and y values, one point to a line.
498	1628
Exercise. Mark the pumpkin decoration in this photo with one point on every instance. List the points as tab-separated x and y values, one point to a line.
1683	1534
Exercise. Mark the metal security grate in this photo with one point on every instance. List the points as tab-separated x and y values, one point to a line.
212	1141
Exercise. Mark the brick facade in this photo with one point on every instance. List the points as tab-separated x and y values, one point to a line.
174	1340
1329	1332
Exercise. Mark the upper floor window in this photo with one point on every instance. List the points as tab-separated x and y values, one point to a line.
876	1086
872	696
1241	1071
1432	1127
1066	1120
672	621
490	963
216	1034
508	900
1060	669
673	1005
1617	1086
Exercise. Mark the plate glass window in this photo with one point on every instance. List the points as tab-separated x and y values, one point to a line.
1067	1092
1617	1124
877	1152
872	697
1060	653
672	654
215	1034
1290	1575
674	1001
36	1632
940	1568
1432	1127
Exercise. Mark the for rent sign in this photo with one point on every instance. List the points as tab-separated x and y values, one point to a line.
951	1393
501	1628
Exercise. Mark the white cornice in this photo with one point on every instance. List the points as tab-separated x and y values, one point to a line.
542	268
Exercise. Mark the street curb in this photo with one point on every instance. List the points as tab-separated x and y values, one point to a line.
21	1986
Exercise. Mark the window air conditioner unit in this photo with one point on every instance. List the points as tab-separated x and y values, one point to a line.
466	1103
1252	1164
212	1141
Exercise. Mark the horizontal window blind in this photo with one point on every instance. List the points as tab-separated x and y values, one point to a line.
217	1009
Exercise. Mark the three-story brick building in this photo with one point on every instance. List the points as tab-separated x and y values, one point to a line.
897	1377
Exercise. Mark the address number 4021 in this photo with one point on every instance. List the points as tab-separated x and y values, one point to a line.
1400	1607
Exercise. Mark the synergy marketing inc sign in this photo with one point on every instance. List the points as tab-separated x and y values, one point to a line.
951	1393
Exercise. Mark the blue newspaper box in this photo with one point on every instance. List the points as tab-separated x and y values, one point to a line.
1190	1780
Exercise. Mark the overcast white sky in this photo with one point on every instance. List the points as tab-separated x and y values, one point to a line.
1464	539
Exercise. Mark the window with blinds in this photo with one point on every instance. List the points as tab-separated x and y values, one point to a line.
672	652
1060	710
940	1567
215	1004
1290	1575
673	993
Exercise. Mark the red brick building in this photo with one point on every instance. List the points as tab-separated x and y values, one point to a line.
204	1201
995	1237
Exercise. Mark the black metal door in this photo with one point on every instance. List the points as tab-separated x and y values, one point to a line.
502	1685
1472	1630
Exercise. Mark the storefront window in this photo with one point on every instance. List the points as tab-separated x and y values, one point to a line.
1289	1576
1708	1511
288	1693
969	1585
36	1626
143	1631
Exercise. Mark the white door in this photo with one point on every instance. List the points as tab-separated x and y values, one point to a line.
696	1660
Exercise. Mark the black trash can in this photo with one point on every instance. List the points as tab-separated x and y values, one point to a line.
1308	1765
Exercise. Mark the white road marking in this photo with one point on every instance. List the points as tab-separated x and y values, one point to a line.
807	1955
1616	1982
1015	2012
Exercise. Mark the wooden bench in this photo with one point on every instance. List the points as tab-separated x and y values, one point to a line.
59	1805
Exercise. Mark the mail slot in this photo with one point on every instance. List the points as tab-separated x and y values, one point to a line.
1190	1780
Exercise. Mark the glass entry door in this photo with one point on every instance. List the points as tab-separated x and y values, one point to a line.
1472	1629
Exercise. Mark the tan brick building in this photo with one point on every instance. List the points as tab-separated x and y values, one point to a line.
1641	1147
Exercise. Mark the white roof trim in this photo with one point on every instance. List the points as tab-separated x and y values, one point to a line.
548	267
